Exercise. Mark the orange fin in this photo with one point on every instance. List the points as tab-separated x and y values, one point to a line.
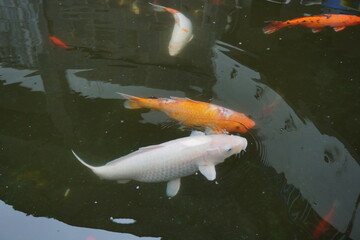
272	27
336	29
132	102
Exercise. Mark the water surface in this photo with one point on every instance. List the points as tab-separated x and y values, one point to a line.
300	88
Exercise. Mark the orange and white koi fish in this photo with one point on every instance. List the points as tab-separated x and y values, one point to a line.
324	224
135	8
195	113
58	42
317	23
182	32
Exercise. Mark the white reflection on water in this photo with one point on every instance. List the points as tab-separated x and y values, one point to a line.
46	228
107	90
123	220
24	77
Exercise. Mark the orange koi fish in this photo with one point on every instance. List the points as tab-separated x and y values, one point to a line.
194	113
317	23
324	224
58	42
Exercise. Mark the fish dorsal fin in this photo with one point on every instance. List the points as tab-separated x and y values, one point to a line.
326	15
197	133
140	151
208	171
185	99
149	148
173	187
176	98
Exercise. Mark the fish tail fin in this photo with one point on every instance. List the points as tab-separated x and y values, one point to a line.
157	8
132	101
84	163
272	27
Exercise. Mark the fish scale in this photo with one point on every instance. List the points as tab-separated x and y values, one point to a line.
168	172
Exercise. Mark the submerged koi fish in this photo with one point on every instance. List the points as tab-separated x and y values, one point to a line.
172	160
58	42
182	32
194	113
317	23
135	8
324	224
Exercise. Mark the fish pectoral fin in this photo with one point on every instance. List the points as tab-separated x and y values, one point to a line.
123	181
192	36
208	171
336	29
173	187
316	30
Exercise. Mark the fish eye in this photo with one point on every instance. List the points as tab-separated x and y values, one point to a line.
228	149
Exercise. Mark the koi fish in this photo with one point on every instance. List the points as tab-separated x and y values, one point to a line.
324	224
194	113
269	108
135	8
58	42
317	23
217	2
182	32
122	2
172	160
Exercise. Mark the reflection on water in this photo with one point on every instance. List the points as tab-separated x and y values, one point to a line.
317	164
33	228
298	87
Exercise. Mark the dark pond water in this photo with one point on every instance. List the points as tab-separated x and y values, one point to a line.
302	90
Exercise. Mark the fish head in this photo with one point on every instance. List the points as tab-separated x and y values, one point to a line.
224	146
240	123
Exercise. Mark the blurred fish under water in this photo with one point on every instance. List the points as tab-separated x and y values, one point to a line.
60	43
182	32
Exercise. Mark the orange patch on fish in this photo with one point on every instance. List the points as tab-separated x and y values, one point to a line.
324	224
185	30
172	11
317	23
195	113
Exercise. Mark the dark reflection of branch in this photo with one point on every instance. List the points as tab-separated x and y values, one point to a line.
56	86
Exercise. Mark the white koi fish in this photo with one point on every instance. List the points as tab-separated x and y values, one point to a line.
182	32
172	160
